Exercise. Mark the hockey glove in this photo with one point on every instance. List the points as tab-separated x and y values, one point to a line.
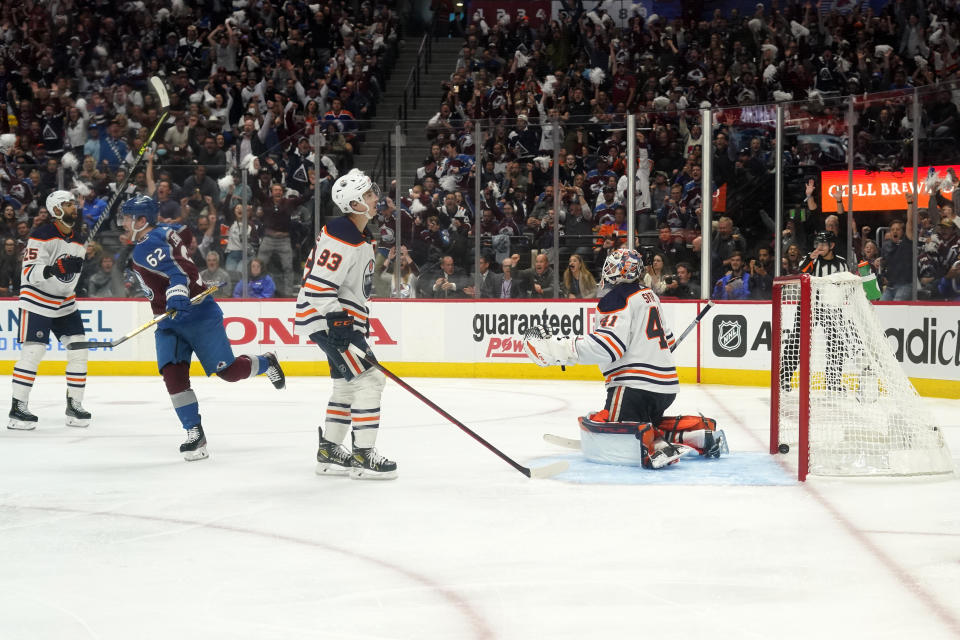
178	301
555	350
65	266
339	329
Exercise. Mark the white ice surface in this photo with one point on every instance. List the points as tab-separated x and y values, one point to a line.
107	533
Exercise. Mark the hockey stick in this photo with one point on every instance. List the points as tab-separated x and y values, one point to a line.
545	471
164	100
93	344
690	326
560	441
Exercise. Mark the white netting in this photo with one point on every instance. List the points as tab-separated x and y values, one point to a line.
865	416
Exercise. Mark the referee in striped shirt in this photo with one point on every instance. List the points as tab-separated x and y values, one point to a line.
822	261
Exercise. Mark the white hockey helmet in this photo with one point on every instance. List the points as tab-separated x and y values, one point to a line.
54	202
350	188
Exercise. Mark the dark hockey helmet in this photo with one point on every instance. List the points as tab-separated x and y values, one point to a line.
826	237
141	206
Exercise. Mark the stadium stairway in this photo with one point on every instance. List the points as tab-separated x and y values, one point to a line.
414	143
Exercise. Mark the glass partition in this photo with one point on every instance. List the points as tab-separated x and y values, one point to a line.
938	125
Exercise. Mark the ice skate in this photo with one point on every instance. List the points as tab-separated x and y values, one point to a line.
669	454
275	372
715	444
77	416
195	447
20	417
332	459
370	465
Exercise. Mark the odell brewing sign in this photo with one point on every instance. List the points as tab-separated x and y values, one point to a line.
878	190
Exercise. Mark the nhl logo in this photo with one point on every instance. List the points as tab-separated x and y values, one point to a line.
729	336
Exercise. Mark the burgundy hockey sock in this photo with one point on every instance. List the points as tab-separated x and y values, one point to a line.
239	369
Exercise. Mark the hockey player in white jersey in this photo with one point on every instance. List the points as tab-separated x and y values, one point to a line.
52	261
332	310
632	346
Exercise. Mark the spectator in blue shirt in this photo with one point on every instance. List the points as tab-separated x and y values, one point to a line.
735	285
93	208
260	284
92	146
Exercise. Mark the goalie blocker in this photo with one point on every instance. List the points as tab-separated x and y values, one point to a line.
638	443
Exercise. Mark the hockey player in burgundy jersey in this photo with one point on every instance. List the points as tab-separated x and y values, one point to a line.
52	261
171	279
632	347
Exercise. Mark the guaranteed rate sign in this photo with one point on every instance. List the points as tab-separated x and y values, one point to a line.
878	190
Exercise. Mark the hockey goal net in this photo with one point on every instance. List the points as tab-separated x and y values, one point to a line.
838	395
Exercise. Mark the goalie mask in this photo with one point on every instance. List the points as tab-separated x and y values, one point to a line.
351	188
56	202
622	265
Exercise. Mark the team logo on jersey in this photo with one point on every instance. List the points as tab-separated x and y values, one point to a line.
368	280
147	291
70	277
728	336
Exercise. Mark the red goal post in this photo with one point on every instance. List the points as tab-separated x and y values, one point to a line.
839	398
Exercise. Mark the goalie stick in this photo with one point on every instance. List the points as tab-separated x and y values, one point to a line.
690	326
93	344
545	471
560	441
164	100
572	443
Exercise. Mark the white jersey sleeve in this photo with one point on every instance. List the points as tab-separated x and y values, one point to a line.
632	343
338	276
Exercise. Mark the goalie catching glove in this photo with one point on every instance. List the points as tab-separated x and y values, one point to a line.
547	350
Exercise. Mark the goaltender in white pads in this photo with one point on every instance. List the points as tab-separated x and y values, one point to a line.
632	346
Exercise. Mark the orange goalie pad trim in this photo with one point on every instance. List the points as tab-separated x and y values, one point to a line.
686	423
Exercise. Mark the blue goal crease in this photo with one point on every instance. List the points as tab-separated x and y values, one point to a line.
754	469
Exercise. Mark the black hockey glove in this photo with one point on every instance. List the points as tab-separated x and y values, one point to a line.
65	266
339	329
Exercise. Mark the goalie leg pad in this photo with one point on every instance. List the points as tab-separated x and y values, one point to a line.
612	442
698	432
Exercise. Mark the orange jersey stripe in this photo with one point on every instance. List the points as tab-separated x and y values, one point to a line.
31	294
355	314
306	312
652	374
352	360
313	287
613	345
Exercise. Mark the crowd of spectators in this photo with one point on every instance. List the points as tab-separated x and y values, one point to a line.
249	84
569	83
249	88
